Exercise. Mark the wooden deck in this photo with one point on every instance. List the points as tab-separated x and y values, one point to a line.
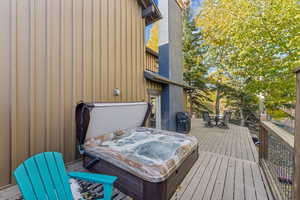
227	168
234	142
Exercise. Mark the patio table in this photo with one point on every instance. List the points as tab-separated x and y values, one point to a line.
216	118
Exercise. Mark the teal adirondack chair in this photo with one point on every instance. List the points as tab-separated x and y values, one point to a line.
44	177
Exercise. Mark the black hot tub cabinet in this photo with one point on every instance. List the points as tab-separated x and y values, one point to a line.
149	163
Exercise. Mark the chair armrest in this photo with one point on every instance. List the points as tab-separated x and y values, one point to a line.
91	177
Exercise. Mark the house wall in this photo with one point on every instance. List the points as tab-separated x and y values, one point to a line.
151	62
170	61
154	86
152	65
54	53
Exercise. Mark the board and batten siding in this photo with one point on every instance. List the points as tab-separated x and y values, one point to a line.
152	65
151	62
154	86
54	53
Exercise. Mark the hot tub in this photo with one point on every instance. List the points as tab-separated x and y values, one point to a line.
150	163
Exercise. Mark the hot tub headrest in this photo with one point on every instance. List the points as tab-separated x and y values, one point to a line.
96	119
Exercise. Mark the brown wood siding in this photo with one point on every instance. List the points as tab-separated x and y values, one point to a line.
54	53
153	86
151	62
152	65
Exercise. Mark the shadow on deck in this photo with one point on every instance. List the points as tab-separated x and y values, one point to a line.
227	167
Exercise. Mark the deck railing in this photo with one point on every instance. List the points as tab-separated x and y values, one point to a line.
297	138
276	156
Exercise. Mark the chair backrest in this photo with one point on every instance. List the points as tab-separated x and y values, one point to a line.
206	116
44	176
227	116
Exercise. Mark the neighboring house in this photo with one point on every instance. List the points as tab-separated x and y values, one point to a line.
155	85
170	72
55	53
154	89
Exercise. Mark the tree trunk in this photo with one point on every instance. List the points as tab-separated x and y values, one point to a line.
242	112
191	105
217	105
242	117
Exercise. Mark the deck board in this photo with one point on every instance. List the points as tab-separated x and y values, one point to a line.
220	177
238	181
219	184
188	178
249	182
229	181
227	168
234	142
193	185
206	179
212	180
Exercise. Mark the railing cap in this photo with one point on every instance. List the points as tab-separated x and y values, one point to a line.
282	134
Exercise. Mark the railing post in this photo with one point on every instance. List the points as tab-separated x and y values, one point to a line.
297	138
263	147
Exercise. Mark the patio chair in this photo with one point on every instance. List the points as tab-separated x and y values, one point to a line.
44	176
223	123
207	119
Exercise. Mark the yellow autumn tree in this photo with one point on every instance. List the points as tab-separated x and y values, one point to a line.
259	41
153	41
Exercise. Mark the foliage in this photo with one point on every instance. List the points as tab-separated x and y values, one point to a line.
218	84
194	69
278	114
257	41
200	102
153	40
242	103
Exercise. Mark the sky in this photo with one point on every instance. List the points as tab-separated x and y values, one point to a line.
196	5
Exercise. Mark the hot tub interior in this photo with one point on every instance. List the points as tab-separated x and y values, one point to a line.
146	145
148	153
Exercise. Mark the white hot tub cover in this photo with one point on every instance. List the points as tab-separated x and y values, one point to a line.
150	154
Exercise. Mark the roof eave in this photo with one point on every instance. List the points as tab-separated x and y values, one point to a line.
152	52
163	80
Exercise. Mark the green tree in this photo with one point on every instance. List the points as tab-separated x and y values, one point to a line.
241	101
218	83
194	70
260	42
242	104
